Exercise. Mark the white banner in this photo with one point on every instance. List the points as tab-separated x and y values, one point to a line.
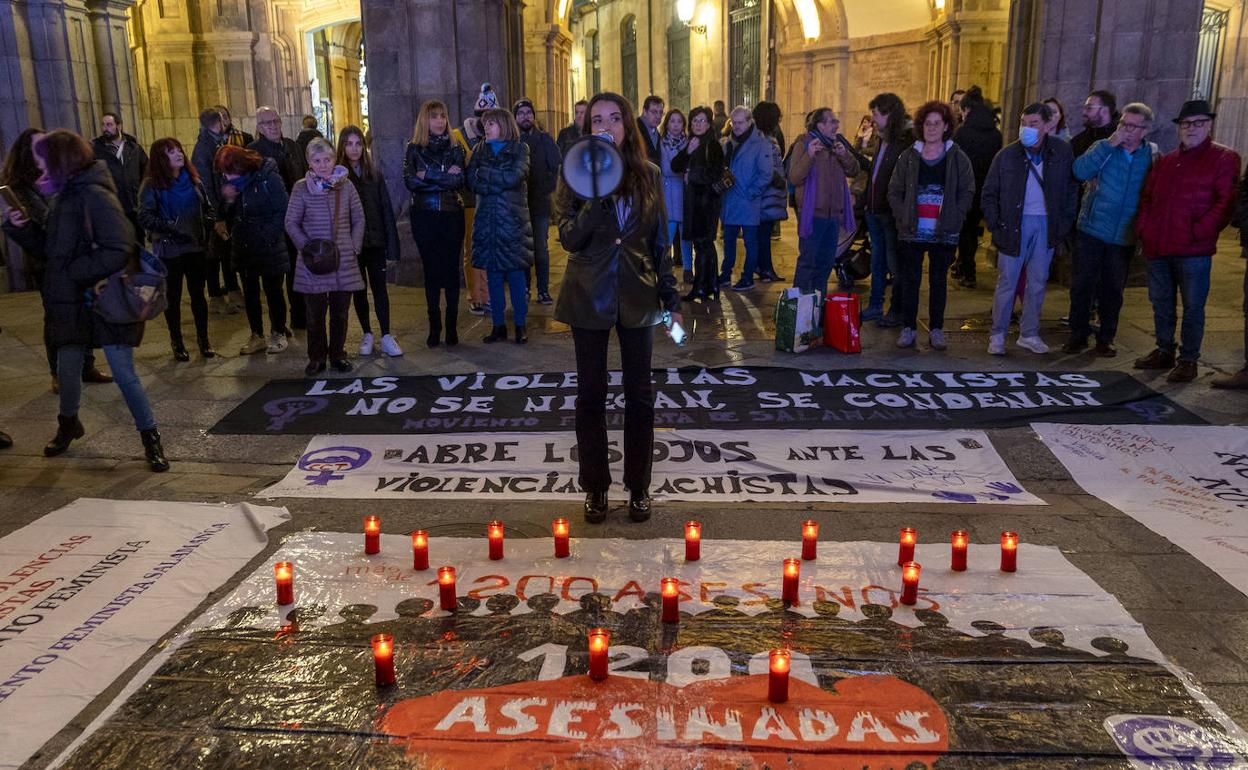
1188	484
89	588
949	466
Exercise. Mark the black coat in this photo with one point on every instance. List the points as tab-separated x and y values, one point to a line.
290	160
614	275
705	166
305	138
544	160
652	148
876	197
185	233
127	172
439	190
1006	187
37	211
980	139
381	234
202	158
1090	135
502	233
567	136
257	220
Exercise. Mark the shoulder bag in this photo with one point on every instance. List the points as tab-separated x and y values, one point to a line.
319	255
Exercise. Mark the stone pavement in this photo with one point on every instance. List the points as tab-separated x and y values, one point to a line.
1191	613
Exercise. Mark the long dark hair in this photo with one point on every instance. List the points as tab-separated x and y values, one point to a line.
639	183
891	105
19	165
159	172
366	157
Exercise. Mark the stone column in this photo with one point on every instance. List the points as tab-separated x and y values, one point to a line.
114	66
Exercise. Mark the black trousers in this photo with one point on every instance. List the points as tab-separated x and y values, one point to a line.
1098	274
636	347
189	268
338	303
272	294
968	243
705	266
298	316
219	272
373	271
910	257
439	237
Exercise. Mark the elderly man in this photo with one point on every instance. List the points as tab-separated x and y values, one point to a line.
748	154
293	166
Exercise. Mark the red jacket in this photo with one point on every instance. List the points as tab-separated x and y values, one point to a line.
1187	199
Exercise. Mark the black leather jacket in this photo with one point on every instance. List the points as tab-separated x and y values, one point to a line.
439	190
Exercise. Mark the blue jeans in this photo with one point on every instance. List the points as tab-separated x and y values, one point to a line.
1035	257
1167	278
750	234
121	361
541	252
816	256
883	233
686	245
513	280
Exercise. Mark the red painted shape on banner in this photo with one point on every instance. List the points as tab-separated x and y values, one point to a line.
863	723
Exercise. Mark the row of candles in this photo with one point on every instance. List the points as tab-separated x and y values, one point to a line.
599	638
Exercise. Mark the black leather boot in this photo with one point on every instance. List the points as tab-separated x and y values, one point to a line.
595	507
67	429
6	441
153	451
452	334
435	329
205	348
498	334
179	350
638	505
522	335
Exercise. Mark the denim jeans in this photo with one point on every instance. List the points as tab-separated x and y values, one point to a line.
541	252
883	233
1099	272
121	361
750	234
1169	277
686	245
1034	258
500	282
939	255
816	256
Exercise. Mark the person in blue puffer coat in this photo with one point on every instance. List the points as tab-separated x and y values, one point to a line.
748	154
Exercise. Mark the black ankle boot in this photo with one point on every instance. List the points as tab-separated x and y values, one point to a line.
522	335
435	333
179	351
67	429
499	333
205	348
452	333
595	507
153	451
638	505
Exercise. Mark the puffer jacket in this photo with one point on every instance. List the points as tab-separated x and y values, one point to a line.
176	233
752	166
1005	190
704	167
673	181
776	196
381	234
439	190
614	275
1112	193
1187	200
959	193
502	233
257	220
311	215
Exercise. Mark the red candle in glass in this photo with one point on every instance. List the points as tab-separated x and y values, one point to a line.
446	588
910	582
560	529
1009	551
905	551
810	539
671	600
420	550
495	531
958	541
778	676
792	569
284	575
383	659
372	534
599	643
693	541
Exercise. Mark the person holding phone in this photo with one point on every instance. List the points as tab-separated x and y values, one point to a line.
619	276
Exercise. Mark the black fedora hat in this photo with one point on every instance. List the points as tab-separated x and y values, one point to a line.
1195	107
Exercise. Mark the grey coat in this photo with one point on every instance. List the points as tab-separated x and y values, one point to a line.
310	215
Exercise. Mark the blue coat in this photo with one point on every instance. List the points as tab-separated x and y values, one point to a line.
502	233
751	164
1113	190
673	183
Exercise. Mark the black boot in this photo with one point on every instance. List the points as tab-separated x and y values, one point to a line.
153	451
67	429
638	505
595	507
205	348
499	333
452	334
521	335
435	330
179	350
5	440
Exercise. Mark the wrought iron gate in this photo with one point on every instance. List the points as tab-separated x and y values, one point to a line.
678	66
745	51
628	60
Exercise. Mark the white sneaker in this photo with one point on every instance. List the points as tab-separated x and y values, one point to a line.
390	346
996	345
936	338
277	343
1034	344
906	338
366	345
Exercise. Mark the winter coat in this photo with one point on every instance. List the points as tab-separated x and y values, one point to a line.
653	153
202	158
1187	200
831	169
567	137
257	220
703	167
502	233
172	233
1006	187
127	172
751	164
36	207
381	234
876	199
673	182
1090	135
959	193
614	275
1112	194
980	139
776	197
544	160
291	163
439	190
311	215
304	138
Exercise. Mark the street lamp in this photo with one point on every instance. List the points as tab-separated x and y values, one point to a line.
684	11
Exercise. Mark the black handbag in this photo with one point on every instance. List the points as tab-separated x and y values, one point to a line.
320	255
725	182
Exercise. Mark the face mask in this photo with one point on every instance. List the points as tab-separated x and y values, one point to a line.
1029	136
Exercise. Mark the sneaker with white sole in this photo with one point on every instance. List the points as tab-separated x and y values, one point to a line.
366	345
996	345
390	346
1034	344
476	308
255	344
277	342
906	338
936	338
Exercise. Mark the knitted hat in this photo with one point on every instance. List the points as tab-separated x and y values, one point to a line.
523	101
487	99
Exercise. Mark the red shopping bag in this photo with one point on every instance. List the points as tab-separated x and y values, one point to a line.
841	327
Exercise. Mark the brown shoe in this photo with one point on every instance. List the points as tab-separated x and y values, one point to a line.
1106	350
1184	371
1237	381
1158	359
56	385
95	375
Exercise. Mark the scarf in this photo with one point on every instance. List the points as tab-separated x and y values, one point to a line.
243	182
181	196
496	145
806	218
47	186
317	184
438	142
674	145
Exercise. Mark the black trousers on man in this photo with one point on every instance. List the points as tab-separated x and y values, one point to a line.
636	347
1098	274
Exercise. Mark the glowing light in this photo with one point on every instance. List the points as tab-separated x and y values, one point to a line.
685	9
808	14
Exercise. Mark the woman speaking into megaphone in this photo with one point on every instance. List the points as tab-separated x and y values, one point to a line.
619	276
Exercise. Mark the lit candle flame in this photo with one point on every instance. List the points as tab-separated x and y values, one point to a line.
908	535
446	575
1009	540
561	527
496	529
598	639
910	572
372	525
780	661
693	530
670	587
959	538
792	567
420	539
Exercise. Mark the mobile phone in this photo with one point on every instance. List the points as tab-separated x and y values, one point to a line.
676	330
11	200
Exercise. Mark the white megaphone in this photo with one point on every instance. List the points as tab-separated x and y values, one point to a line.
593	167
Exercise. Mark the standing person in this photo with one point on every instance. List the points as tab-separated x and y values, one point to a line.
889	114
1186	201
381	237
254	200
572	132
325	206
619	277
1057	120
233	135
433	171
175	211
867	140
502	234
701	162
307	133
978	137
775	207
749	156
1115	169
219	270
930	193
127	163
673	142
648	121
1100	117
470	137
292	164
86	238
819	170
1239	380
720	119
1029	205
544	161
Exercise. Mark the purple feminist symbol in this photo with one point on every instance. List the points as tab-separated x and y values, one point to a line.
1171	742
328	463
285	410
1151	410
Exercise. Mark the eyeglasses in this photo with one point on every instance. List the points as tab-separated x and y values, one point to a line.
1130	126
1198	123
273	122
